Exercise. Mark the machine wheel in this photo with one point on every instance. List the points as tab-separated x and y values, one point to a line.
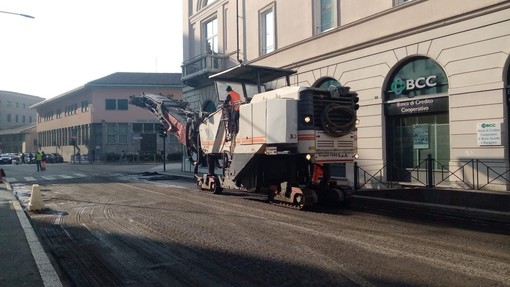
299	201
216	186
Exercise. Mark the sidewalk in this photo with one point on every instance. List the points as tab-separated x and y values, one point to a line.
485	206
468	204
22	258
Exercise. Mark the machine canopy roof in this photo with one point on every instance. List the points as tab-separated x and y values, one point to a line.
252	74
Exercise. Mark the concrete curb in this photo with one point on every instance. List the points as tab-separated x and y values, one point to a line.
498	217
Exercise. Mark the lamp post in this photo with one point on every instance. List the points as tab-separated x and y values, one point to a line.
18	14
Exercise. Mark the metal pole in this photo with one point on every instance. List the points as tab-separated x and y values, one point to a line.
430	183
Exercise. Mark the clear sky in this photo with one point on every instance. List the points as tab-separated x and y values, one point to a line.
72	42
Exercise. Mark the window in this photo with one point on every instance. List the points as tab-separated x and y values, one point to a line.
417	116
327	83
204	3
122	104
110	133
8	118
84	106
211	36
149	128
123	133
209	107
267	31
110	104
137	128
325	15
400	2
418	76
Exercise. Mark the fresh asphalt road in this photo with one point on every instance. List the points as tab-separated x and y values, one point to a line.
111	228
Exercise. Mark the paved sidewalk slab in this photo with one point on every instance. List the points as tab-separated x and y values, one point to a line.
23	261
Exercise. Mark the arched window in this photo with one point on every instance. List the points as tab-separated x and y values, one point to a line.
419	76
417	117
209	107
326	83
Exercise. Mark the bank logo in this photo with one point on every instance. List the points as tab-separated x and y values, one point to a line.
398	86
492	125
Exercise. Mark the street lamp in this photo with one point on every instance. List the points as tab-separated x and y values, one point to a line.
23	15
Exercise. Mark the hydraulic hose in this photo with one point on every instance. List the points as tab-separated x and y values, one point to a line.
338	120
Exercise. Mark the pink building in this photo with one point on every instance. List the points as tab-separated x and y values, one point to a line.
97	119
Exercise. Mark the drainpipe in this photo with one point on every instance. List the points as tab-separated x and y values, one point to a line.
237	30
244	31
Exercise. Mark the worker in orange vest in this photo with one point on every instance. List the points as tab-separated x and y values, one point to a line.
233	101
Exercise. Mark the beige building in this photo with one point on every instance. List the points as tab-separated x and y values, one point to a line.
432	76
16	121
15	111
98	121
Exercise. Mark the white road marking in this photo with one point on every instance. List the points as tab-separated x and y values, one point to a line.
10	179
65	176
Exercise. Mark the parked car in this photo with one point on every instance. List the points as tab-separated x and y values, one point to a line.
16	158
5	158
54	158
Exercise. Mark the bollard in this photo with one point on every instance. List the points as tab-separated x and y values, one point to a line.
36	202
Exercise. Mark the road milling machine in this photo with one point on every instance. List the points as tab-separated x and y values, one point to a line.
286	140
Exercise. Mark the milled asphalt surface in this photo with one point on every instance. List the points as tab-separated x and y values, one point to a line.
24	262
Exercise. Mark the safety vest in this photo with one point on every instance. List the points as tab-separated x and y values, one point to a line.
235	100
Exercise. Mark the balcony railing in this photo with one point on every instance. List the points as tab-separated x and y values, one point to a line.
196	71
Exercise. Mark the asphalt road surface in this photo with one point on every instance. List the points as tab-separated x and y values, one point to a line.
120	231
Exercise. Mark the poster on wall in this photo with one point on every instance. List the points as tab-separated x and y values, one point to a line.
489	133
421	136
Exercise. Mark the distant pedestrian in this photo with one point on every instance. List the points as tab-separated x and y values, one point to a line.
123	156
22	158
38	160
30	158
44	159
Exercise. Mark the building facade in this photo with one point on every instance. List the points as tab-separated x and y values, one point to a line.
15	111
432	76
97	120
21	139
16	120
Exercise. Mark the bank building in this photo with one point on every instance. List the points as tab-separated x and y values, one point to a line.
432	77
